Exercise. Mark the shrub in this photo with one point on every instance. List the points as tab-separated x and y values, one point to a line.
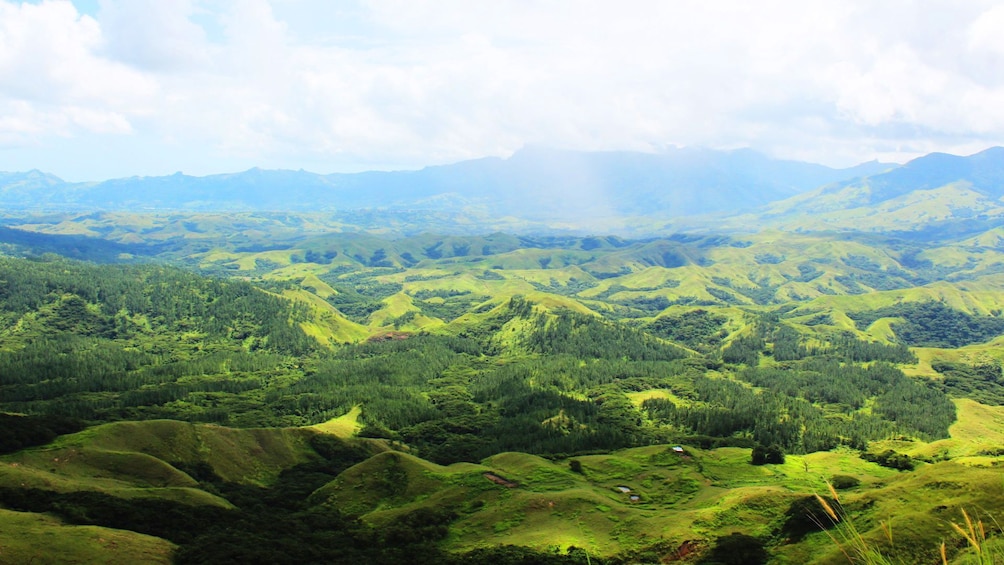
843	482
805	516
772	454
890	459
736	549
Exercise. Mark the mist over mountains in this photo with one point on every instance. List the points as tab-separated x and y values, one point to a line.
540	190
533	183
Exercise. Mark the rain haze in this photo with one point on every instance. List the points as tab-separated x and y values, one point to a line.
99	89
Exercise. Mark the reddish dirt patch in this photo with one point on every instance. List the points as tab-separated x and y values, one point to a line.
685	550
500	480
541	504
389	336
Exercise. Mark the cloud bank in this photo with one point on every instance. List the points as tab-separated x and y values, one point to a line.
126	87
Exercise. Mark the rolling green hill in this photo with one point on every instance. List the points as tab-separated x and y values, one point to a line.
270	387
646	501
30	537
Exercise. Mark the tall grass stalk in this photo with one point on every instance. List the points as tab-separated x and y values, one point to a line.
975	534
845	535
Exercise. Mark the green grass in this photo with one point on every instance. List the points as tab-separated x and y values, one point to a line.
703	495
140	454
920	507
327	325
979	428
392	480
637	398
707	493
344	426
993	349
38	539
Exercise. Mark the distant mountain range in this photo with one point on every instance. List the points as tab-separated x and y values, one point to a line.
534	183
938	192
609	192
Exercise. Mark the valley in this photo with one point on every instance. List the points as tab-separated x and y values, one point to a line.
176	383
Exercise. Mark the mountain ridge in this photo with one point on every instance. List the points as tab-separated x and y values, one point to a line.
533	182
937	193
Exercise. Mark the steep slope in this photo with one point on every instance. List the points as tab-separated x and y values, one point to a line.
24	189
29	537
177	481
934	195
137	458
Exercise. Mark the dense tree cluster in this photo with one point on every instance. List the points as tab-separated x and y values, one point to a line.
697	329
82	343
744	350
19	432
115	301
810	406
767	455
982	381
583	336
891	459
359	294
934	324
558	385
139	336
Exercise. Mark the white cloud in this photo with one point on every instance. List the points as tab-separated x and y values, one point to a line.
985	31
153	34
405	83
53	80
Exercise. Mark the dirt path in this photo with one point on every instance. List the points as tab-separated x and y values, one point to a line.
500	480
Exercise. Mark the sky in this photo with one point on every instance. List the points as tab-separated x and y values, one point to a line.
99	89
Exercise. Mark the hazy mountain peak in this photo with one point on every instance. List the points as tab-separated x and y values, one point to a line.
985	170
936	193
536	183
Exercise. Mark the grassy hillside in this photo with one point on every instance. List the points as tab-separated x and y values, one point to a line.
170	479
27	537
460	394
153	458
700	494
695	496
